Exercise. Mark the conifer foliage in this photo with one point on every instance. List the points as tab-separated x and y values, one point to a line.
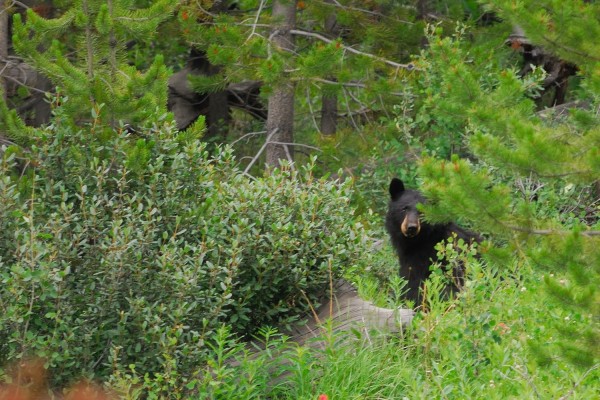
82	52
531	179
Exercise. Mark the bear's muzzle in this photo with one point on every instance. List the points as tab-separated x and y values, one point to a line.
411	226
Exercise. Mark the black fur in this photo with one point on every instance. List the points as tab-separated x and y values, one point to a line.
416	246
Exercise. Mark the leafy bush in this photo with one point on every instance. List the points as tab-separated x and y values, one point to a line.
117	254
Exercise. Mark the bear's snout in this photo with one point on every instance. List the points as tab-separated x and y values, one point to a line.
412	231
410	226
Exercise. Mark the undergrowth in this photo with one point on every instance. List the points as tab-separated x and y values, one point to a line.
474	346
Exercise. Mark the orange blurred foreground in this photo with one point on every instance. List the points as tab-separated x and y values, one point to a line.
29	381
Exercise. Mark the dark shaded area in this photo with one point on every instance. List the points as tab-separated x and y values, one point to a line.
187	105
558	70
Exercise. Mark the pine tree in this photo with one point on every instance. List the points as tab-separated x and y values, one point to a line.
280	118
512	144
360	64
82	52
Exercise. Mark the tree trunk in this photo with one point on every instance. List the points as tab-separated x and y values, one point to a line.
422	9
218	112
329	111
329	102
3	42
280	117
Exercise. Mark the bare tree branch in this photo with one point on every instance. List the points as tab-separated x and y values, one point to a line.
255	24
310	108
344	84
262	148
345	91
247	135
285	145
297	144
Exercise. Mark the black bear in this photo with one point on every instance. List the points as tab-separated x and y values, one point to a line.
415	240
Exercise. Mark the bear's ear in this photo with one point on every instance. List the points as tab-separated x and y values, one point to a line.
396	188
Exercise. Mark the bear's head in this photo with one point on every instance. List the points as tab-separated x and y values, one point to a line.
403	214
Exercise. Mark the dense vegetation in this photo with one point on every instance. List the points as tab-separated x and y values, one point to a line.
144	258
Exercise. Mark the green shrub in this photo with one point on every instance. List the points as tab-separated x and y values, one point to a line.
116	254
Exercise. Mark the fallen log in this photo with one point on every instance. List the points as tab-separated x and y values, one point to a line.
347	312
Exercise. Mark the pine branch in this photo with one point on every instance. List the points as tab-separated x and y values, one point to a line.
409	67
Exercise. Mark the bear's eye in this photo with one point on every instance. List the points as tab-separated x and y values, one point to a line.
404	208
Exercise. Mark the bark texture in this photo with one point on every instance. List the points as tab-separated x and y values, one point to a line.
3	42
280	116
329	102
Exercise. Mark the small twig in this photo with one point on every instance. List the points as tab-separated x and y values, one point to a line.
330	82
525	375
246	135
570	50
330	289
348	108
361	111
20	4
33	89
106	348
296	144
287	154
383	107
254	25
370	12
205	11
364	106
343	84
312	113
312	309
